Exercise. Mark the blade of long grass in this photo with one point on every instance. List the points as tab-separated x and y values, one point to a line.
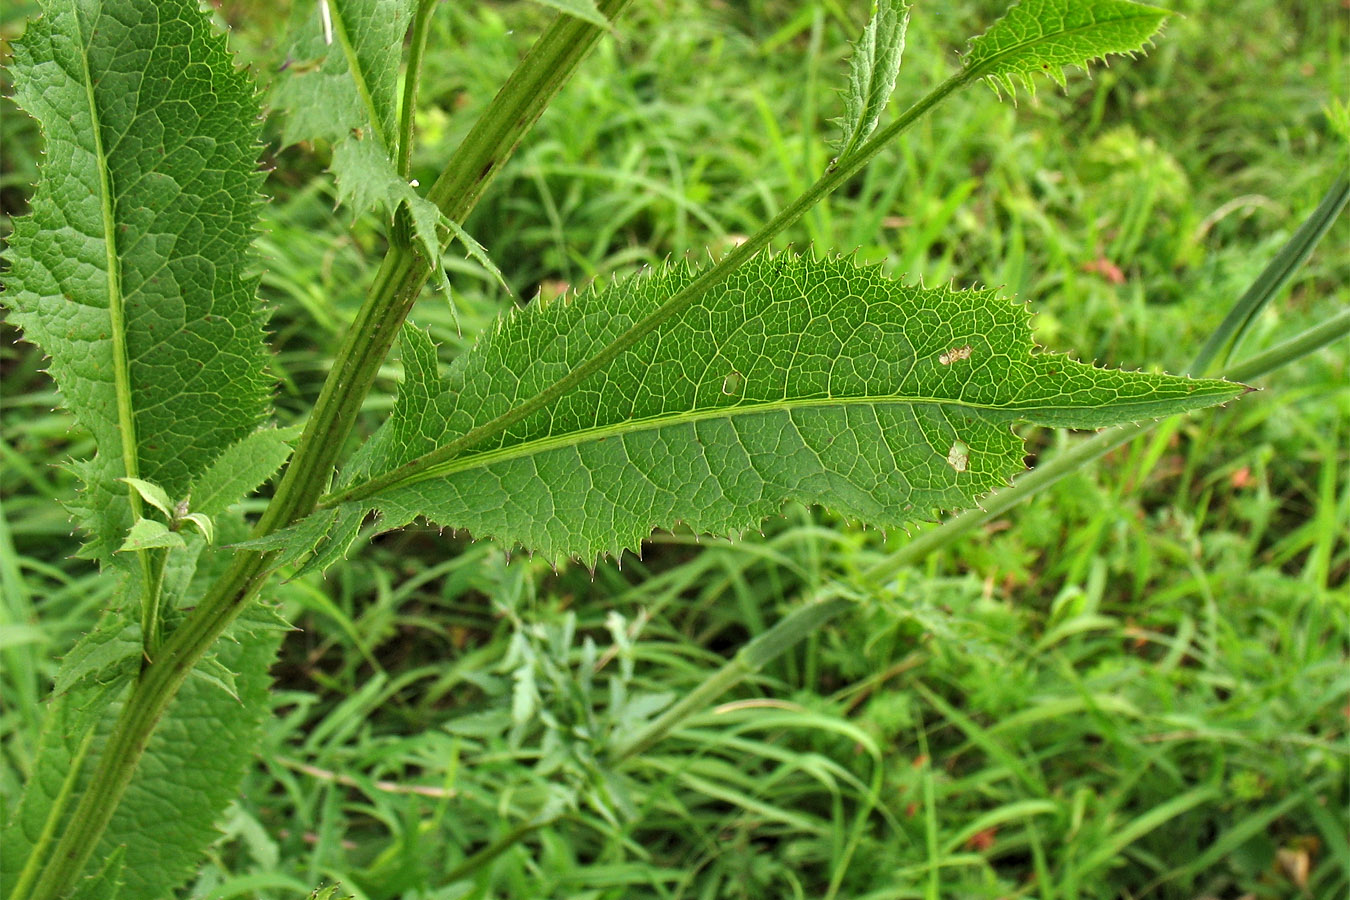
1228	336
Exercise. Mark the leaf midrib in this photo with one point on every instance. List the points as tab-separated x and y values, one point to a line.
685	417
126	416
980	69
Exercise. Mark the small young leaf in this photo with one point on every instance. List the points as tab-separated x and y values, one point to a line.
798	379
239	470
149	534
110	652
132	269
107	884
152	494
204	525
872	71
1044	36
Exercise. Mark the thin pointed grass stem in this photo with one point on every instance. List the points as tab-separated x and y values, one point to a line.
492	140
1226	338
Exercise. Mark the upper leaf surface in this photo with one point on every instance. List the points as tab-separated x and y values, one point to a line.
324	95
241	468
873	70
815	380
147	205
1044	36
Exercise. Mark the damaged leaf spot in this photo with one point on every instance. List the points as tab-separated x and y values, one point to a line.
955	354
958	456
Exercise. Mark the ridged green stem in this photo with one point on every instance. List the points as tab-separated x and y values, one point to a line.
514	110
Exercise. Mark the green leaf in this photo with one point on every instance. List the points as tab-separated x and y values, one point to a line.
345	81
107	884
329	893
204	525
216	673
1044	36
298	541
152	494
191	770
346	93
238	471
148	534
131	270
367	179
872	71
820	381
112	651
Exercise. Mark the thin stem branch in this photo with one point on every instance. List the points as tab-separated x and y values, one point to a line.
412	79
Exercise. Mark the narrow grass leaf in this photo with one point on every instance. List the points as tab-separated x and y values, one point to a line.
1125	835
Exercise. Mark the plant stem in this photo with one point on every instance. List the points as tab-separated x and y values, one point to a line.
424	466
412	78
514	110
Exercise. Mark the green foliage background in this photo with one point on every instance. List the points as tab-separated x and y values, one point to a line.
1135	685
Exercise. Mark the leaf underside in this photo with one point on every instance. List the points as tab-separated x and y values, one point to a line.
1044	36
190	771
819	381
146	94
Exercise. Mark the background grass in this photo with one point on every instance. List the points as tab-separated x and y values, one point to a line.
1134	686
